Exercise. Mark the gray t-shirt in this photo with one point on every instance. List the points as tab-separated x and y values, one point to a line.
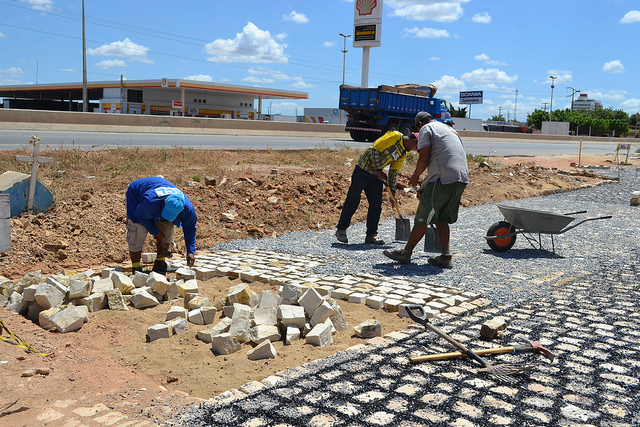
448	161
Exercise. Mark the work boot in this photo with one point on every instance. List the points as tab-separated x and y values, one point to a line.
160	267
134	269
443	261
341	235
373	239
401	255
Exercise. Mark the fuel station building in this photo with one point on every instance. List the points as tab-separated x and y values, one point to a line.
168	97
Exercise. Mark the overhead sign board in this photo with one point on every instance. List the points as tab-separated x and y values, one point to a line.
367	23
176	104
471	97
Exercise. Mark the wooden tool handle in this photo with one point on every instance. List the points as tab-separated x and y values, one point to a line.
394	202
456	354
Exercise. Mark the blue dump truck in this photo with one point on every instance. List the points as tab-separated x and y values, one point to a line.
373	111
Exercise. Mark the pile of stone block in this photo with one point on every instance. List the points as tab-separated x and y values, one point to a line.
62	302
297	312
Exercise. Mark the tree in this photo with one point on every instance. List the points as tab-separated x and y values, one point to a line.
458	112
497	118
536	118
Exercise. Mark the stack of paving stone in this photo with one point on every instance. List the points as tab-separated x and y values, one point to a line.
296	312
62	302
375	291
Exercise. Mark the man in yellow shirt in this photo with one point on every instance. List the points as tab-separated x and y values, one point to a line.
390	149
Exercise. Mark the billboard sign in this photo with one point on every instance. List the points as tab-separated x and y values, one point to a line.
471	97
367	23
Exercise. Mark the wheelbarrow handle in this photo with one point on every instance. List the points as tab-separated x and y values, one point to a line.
574	213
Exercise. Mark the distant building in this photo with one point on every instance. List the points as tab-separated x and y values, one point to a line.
322	115
169	97
585	104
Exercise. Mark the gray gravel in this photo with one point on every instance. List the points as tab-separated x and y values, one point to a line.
521	272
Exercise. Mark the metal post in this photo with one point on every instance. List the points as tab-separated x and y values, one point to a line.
365	66
553	79
85	95
344	59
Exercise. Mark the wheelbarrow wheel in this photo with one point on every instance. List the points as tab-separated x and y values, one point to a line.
501	244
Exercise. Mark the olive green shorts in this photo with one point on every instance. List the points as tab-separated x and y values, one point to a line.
439	203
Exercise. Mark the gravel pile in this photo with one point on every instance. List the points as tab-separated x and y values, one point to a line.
519	273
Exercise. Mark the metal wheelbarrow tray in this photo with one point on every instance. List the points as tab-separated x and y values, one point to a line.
502	235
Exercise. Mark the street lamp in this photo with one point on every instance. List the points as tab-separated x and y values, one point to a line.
85	97
344	53
573	92
553	79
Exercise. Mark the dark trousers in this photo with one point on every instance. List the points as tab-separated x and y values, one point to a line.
372	186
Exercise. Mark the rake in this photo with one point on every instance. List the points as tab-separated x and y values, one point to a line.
501	371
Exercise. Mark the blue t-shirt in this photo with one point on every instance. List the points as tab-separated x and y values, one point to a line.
145	202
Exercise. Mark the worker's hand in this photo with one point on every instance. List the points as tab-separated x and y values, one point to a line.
381	175
191	259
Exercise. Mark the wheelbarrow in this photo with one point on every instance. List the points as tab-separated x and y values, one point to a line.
502	235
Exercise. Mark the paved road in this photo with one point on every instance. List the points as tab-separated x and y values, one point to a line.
18	139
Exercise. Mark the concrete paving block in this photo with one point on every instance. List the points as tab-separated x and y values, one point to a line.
178	325
176	311
292	335
185	273
159	330
337	318
17	304
189	286
310	300
158	283
115	300
140	279
265	350
44	318
208	314
260	333
493	328
79	288
173	292
148	257
107	272
291	293
29	293
321	313
291	315
268	299
370	328
94	302
69	319
48	295
265	316
143	299
240	294
224	344
320	335
59	285
33	311
195	317
102	285
357	297
204	273
198	301
392	304
341	294
122	282
242	318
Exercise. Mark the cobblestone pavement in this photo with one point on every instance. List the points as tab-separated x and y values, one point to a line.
587	315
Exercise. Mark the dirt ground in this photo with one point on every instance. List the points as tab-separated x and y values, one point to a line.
265	193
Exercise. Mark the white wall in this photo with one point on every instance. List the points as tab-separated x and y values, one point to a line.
555	128
467	124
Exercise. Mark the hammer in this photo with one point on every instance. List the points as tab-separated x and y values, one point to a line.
531	347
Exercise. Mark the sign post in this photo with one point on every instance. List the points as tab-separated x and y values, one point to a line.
367	28
34	159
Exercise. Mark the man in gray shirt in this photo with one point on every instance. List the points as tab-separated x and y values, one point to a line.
440	151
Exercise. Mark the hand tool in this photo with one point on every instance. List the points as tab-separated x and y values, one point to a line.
531	347
403	225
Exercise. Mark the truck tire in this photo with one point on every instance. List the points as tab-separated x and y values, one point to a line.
358	135
406	128
372	136
391	126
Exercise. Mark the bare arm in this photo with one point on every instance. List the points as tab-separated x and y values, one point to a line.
423	161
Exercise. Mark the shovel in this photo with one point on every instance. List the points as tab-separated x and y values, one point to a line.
499	371
403	225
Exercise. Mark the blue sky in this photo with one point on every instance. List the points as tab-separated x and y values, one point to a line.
497	46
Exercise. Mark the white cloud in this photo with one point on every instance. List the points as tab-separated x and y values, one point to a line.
252	45
631	17
449	83
563	77
2	35
481	57
613	67
42	5
328	44
484	57
123	49
482	18
436	10
11	73
111	63
200	78
434	58
426	33
265	76
67	70
488	76
298	18
632	104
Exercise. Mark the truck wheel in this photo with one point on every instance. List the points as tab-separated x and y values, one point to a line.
372	136
392	126
406	128
358	136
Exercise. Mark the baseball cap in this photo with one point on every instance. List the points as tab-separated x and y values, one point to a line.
422	116
173	205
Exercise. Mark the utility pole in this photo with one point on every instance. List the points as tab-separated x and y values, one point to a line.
573	92
85	95
553	80
344	59
499	111
544	108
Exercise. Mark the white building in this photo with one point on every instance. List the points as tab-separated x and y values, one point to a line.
585	104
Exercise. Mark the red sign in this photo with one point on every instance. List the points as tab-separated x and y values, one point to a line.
176	104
